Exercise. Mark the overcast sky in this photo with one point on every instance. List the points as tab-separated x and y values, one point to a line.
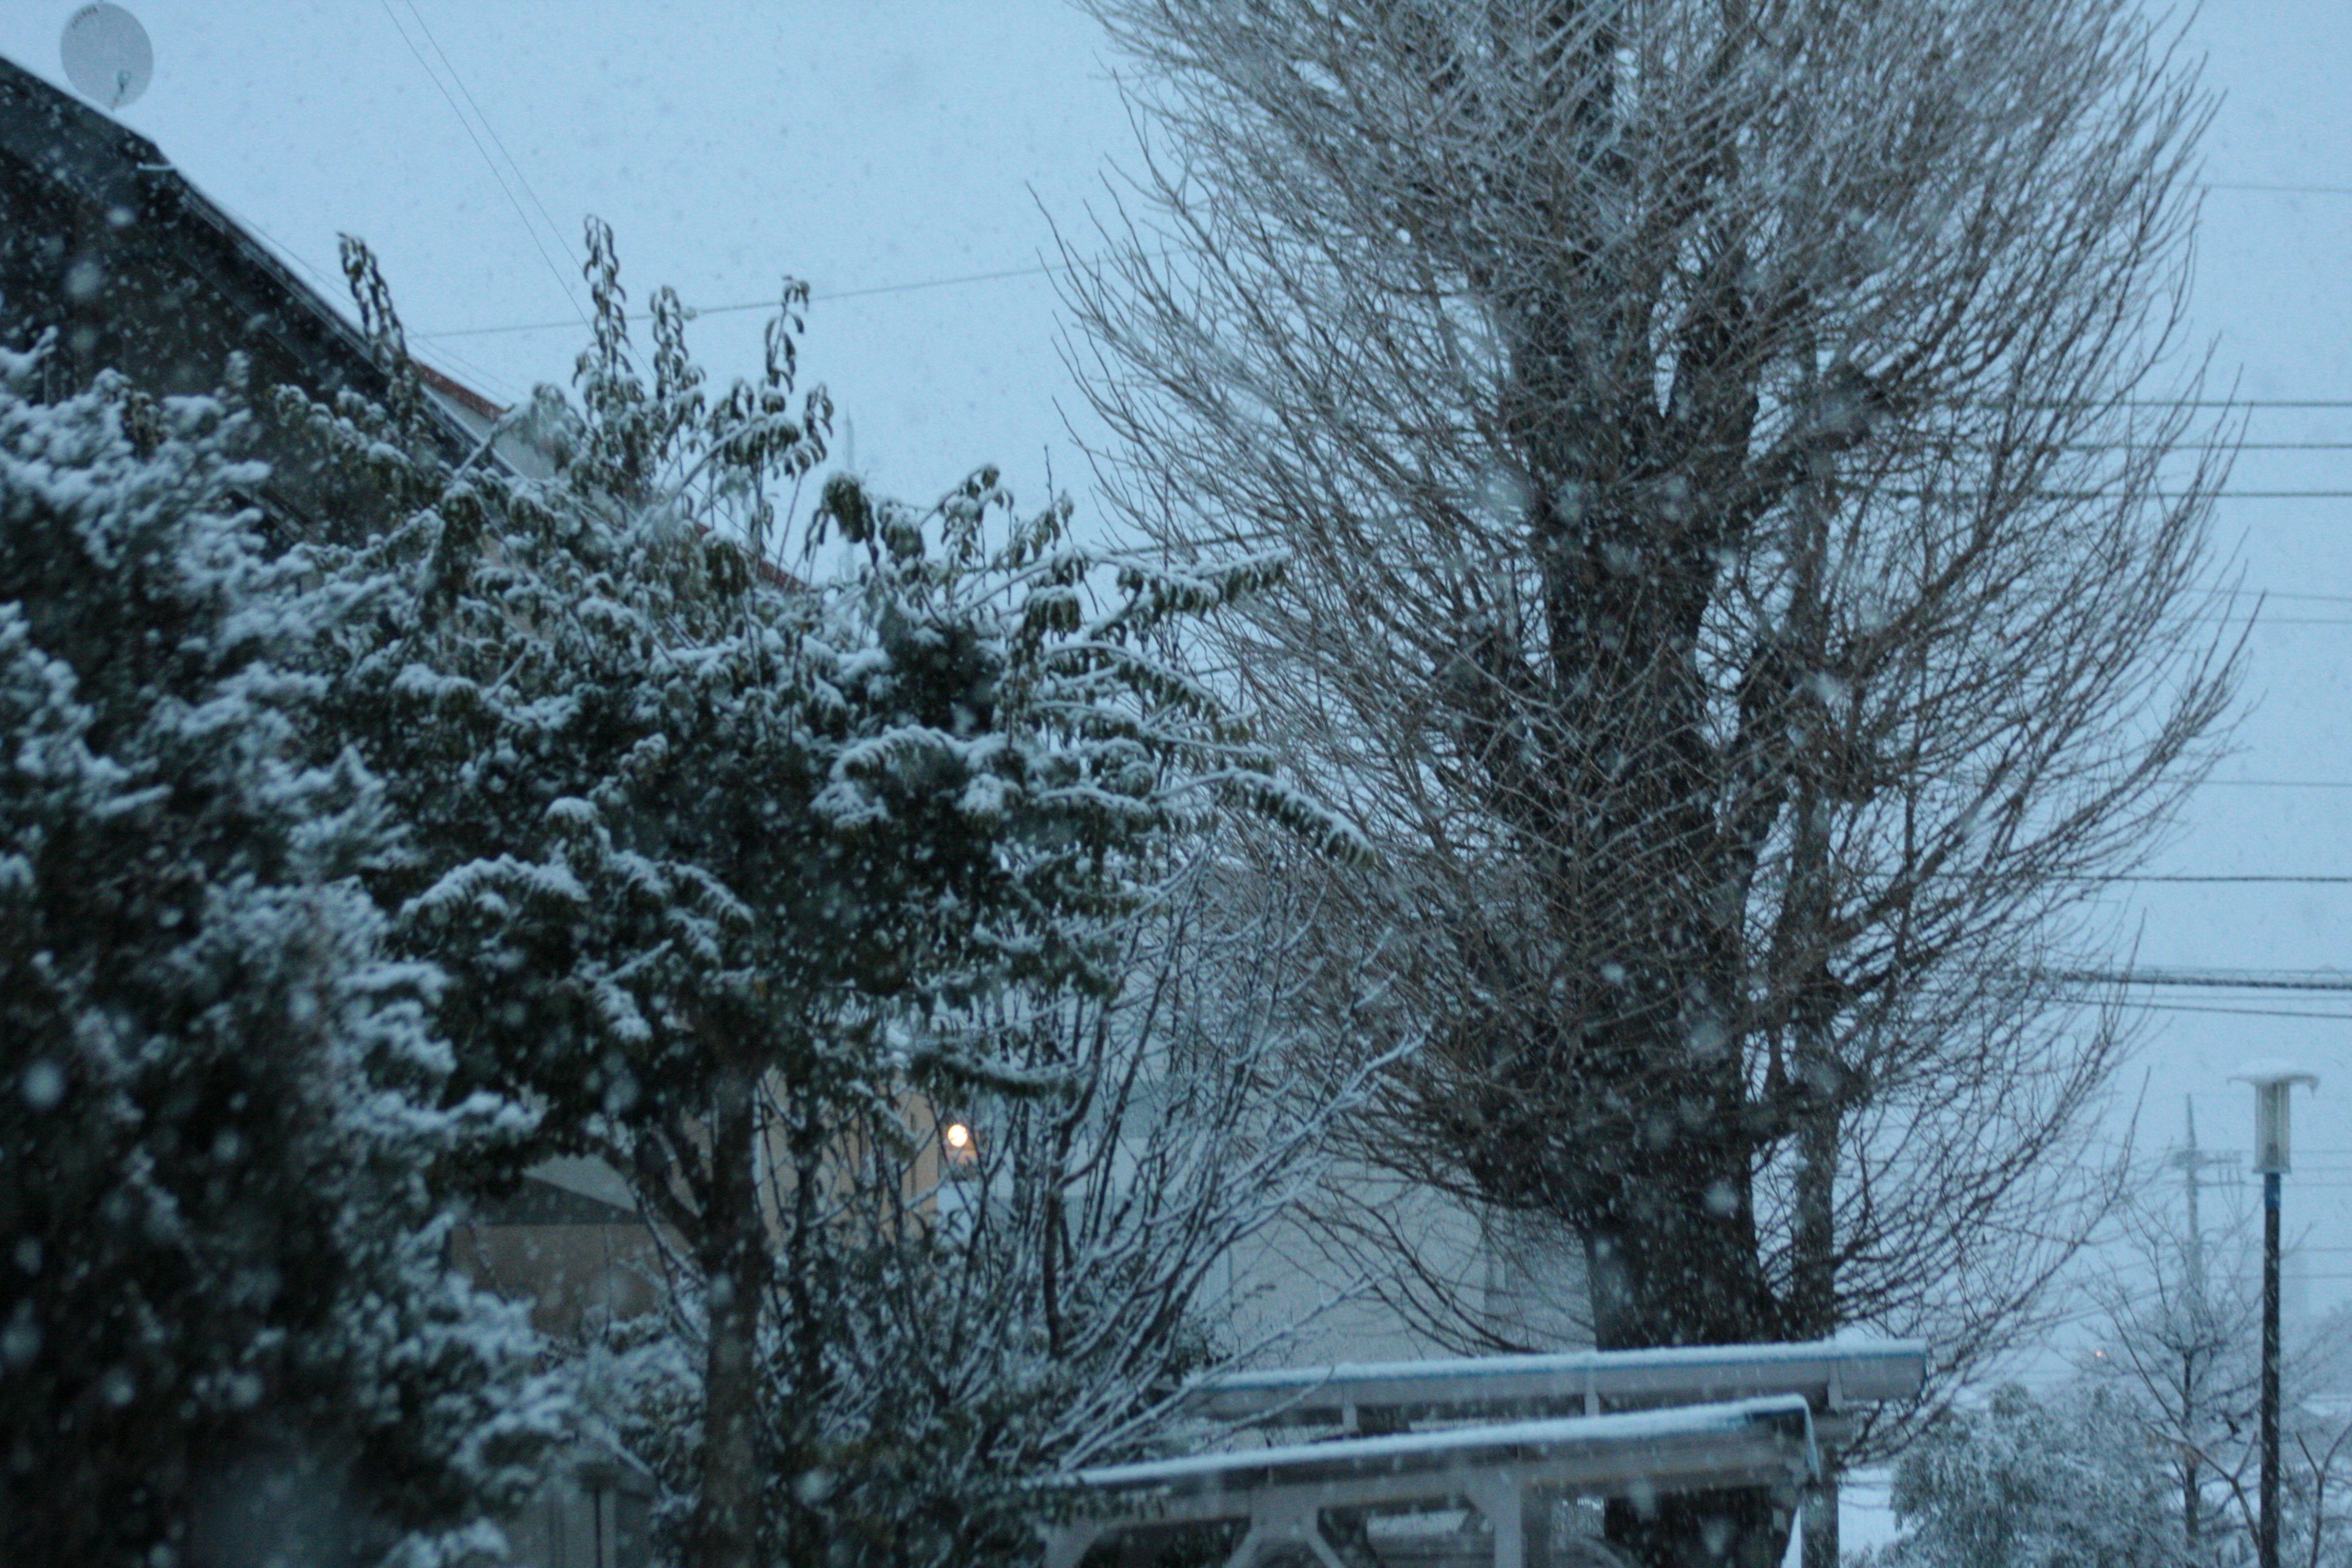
873	145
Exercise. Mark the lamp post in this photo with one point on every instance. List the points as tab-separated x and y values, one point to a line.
2272	1082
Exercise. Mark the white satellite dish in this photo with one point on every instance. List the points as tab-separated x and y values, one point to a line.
107	54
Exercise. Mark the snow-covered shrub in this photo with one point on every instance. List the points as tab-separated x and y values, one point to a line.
225	1328
2075	1482
740	873
1042	1309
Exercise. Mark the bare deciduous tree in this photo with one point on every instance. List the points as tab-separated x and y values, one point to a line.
1742	581
2181	1300
1025	1295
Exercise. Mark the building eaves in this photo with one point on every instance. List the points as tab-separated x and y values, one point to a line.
119	175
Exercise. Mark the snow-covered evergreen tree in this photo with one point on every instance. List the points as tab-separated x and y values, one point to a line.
2078	1482
225	1328
2149	1457
734	873
2180	1354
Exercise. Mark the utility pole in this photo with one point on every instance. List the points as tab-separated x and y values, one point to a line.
2272	1082
2191	1162
2269	1543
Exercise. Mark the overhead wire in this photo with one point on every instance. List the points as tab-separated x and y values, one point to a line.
2331	494
2277	593
2221	876
1044	269
1040	270
2282	190
562	281
330	290
520	178
2328	980
2239	1012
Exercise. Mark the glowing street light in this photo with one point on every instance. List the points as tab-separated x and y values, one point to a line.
960	1144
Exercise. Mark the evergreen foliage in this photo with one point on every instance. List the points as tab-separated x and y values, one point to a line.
734	874
2075	1483
225	1328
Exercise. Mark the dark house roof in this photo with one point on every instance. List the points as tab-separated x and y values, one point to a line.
101	238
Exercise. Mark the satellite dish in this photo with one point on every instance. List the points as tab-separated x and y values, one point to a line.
107	54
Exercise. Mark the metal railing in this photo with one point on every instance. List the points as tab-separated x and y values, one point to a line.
1609	1423
1835	1376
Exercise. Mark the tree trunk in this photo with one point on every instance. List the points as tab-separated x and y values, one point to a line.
1813	1296
1821	1517
1667	1206
726	1526
1681	1270
1735	1528
1814	1307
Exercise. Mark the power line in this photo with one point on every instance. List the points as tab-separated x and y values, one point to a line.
520	178
2214	979
1046	268
2237	1011
2218	876
2334	494
1038	271
2284	190
2246	618
562	281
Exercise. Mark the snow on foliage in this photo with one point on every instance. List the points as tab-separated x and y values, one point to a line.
740	878
225	1328
2073	1483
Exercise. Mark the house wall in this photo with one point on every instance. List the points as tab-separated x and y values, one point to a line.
591	1517
1324	1285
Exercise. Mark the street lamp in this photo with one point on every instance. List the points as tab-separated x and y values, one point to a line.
2272	1082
